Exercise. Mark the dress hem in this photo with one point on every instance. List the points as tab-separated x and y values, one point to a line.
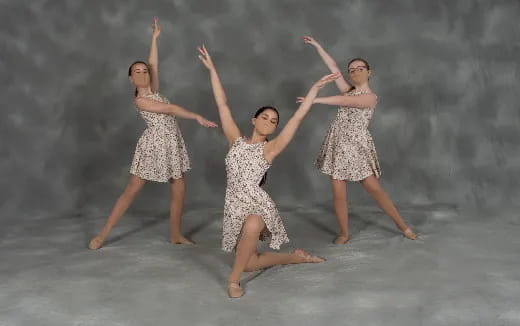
174	176
335	176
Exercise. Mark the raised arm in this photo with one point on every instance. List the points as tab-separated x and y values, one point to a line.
153	57
341	83
150	105
362	101
278	144
229	126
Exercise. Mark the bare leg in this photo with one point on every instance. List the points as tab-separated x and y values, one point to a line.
247	259
372	186
339	196
246	246
135	184
176	207
268	259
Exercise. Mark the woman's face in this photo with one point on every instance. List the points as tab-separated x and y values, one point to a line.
140	75
266	122
358	72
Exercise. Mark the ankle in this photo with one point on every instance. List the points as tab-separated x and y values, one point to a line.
296	258
233	279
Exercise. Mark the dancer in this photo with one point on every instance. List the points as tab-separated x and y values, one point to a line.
160	154
249	212
348	152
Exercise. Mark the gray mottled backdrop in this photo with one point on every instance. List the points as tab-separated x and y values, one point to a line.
446	73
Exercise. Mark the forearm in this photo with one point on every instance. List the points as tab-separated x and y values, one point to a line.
153	57
306	105
183	113
329	61
360	101
153	61
218	90
287	133
330	100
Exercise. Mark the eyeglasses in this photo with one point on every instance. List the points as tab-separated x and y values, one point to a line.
359	69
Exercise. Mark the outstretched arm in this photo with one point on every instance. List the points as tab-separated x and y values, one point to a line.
341	83
229	126
149	105
153	58
357	101
278	144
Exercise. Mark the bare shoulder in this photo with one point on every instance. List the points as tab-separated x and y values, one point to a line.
373	98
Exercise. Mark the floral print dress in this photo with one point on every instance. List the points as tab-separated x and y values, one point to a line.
245	167
348	151
160	153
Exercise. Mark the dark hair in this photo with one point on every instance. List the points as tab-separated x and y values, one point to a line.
258	112
358	59
132	65
263	108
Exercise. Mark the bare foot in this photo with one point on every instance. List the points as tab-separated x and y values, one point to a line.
181	240
96	242
341	239
305	257
234	290
409	234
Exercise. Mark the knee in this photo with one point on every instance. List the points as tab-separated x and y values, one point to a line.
178	186
253	225
133	189
177	182
339	188
373	188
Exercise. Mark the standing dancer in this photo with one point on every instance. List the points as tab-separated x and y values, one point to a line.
160	154
348	152
249	212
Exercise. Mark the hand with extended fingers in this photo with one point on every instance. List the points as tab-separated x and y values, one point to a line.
311	41
325	80
321	83
156	30
205	57
206	123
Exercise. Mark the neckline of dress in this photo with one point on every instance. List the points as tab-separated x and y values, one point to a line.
360	91
244	139
151	94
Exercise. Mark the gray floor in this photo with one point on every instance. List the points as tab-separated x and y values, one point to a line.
464	270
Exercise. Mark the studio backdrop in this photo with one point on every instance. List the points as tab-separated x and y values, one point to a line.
446	74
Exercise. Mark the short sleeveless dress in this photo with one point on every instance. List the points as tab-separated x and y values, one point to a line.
245	167
160	153
348	151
